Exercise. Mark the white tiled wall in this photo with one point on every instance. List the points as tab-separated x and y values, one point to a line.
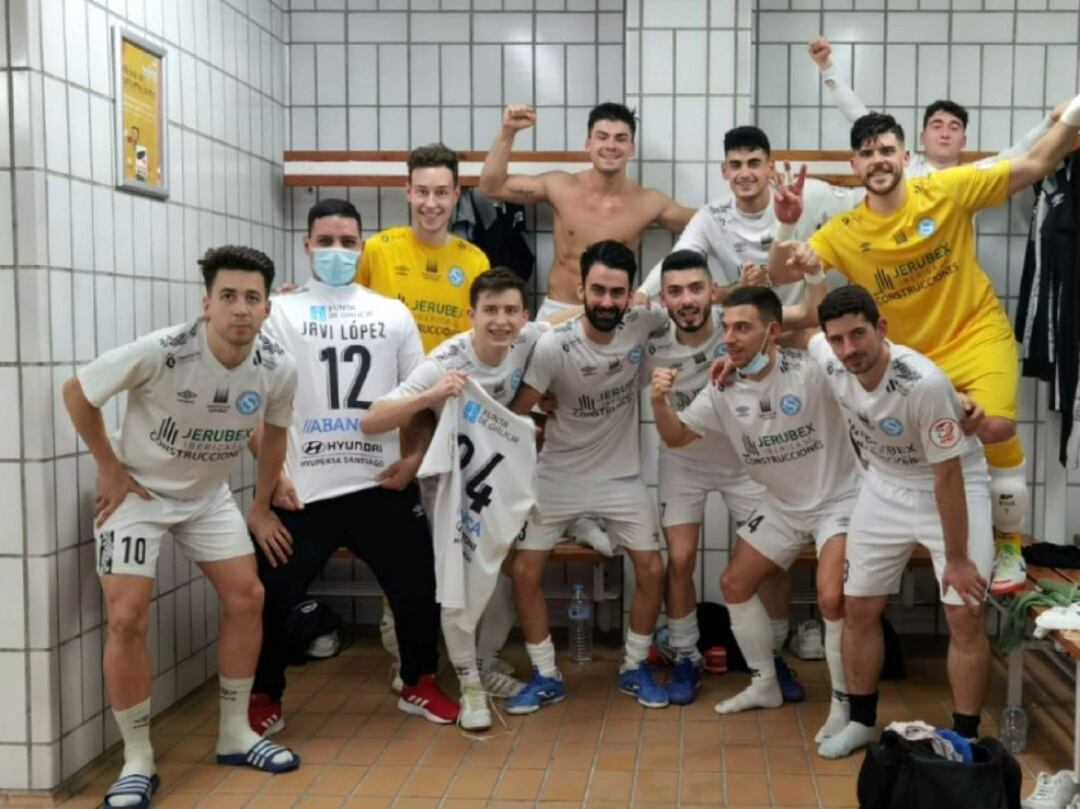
689	73
83	268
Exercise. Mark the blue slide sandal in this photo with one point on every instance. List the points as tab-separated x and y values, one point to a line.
261	757
134	785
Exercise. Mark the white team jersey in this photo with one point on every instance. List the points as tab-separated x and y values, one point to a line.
351	347
594	433
908	422
787	428
693	363
485	459
188	416
729	237
500	382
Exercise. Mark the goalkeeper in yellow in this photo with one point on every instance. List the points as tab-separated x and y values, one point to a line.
912	245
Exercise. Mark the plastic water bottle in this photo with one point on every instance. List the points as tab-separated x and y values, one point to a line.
1014	728
579	613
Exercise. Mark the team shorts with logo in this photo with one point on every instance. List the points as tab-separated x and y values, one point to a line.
988	371
208	529
779	534
887	523
685	484
623	503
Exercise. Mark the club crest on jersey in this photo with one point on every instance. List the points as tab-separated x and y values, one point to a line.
720	350
634	357
790	404
515	379
945	433
456	276
926	227
891	426
318	313
248	402
472	411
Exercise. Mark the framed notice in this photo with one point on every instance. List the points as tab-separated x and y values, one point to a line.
140	114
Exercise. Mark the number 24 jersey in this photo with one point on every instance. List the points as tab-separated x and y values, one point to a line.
351	347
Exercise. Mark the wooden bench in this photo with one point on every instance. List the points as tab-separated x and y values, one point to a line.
1066	640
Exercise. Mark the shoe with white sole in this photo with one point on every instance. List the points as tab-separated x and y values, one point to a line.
1052	791
499	685
475	712
806	643
1009	573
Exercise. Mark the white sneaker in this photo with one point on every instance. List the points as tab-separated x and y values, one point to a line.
806	642
475	713
1052	791
587	531
499	685
497	664
1009	573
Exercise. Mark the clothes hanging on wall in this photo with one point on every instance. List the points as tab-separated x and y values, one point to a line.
1048	314
497	228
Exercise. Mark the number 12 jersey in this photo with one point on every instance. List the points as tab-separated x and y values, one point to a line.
351	347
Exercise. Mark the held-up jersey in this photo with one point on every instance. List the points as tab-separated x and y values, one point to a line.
594	434
485	459
351	347
500	382
908	422
730	238
919	262
693	363
787	429
188	417
433	282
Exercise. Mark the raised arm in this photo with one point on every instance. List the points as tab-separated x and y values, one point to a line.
672	431
495	180
849	104
803	315
1043	157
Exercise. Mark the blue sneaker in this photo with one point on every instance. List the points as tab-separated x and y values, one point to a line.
639	683
789	683
684	682
539	691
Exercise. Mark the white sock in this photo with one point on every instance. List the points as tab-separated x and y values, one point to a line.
750	626
779	628
461	649
837	720
847	741
134	724
684	636
496	622
542	655
388	630
234	733
636	650
834	659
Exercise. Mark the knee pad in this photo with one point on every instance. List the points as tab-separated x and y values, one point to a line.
1009	498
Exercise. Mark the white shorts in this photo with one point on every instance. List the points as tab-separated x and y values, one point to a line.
685	483
779	534
550	306
623	503
208	529
889	521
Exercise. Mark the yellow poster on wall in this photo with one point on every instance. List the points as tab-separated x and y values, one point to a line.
140	115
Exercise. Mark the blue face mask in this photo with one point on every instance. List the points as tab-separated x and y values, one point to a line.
758	363
335	266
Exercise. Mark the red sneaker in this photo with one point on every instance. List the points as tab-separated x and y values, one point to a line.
426	699
264	716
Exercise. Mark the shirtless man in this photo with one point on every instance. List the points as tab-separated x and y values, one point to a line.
590	206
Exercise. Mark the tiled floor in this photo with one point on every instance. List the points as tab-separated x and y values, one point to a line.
596	749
